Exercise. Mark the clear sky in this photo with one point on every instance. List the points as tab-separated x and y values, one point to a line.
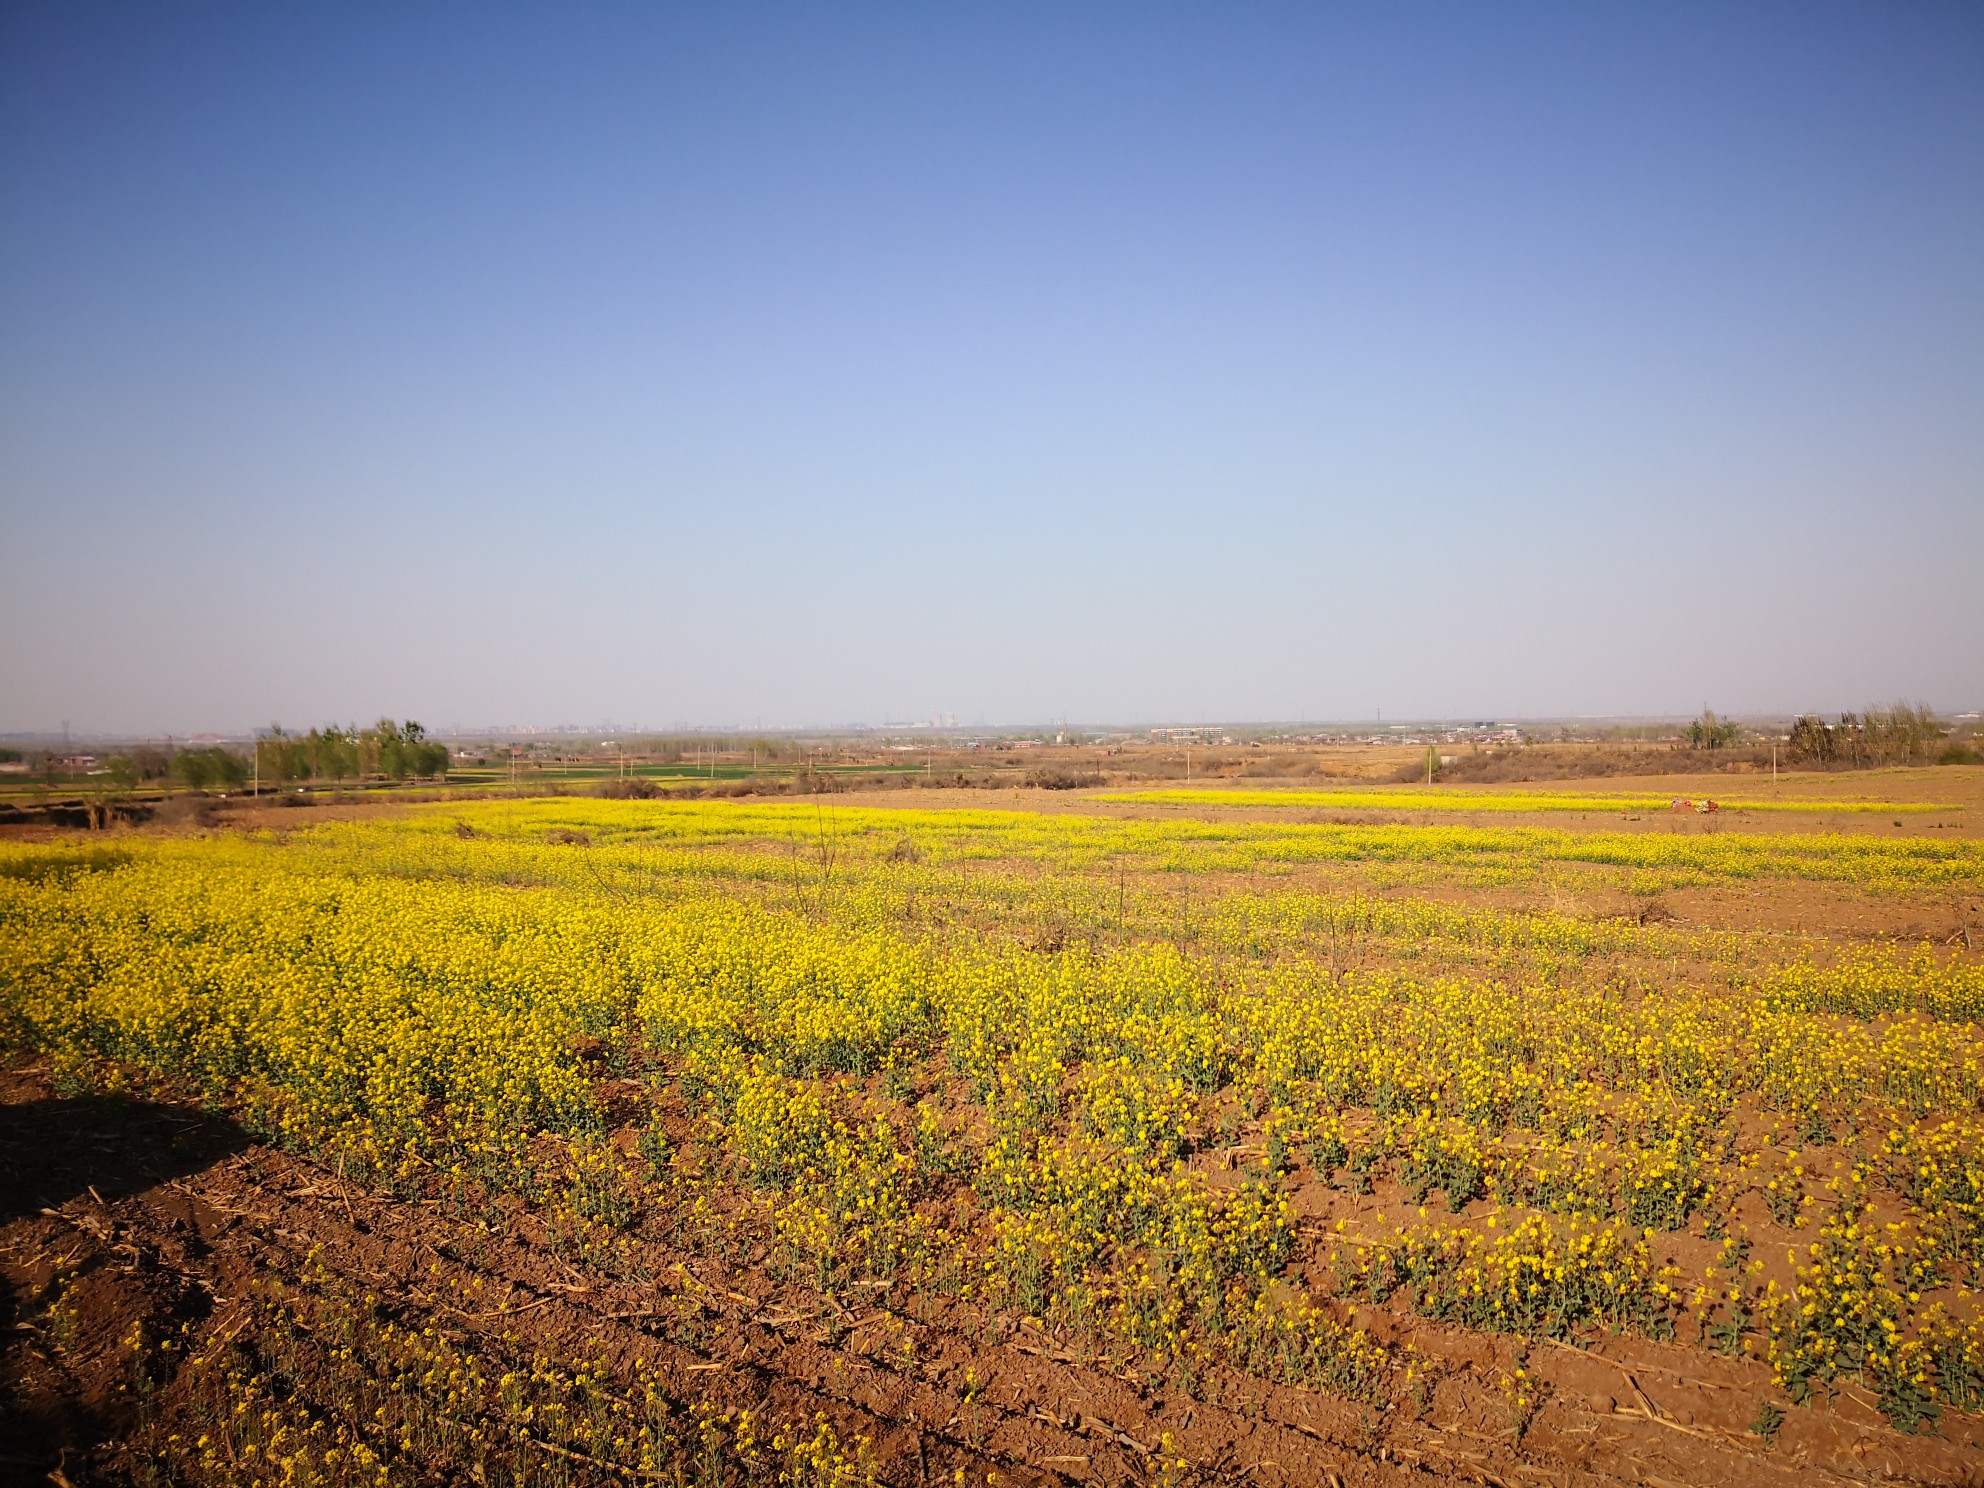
741	363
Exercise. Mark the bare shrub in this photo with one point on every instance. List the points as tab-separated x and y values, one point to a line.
1429	766
1054	779
187	811
1900	734
627	788
1587	762
1279	767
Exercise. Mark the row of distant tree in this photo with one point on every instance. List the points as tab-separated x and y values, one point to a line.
388	750
148	764
1900	734
1903	734
395	751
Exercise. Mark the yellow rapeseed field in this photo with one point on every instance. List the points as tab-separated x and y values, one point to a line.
1462	800
1140	1050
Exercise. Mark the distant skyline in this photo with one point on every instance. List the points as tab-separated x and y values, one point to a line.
1151	363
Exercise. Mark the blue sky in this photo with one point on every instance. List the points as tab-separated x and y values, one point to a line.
788	364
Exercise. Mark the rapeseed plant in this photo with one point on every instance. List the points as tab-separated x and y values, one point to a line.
418	1008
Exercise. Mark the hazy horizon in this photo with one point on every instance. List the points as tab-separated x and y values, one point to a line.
898	727
1159	364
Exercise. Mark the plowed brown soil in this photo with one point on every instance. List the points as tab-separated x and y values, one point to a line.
159	1215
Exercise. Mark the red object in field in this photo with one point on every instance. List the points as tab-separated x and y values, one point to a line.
1679	803
1707	806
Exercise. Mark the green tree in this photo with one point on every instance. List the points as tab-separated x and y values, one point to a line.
208	768
272	757
401	750
333	753
1710	732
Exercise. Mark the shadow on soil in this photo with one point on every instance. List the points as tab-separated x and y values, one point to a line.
63	1397
52	1151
